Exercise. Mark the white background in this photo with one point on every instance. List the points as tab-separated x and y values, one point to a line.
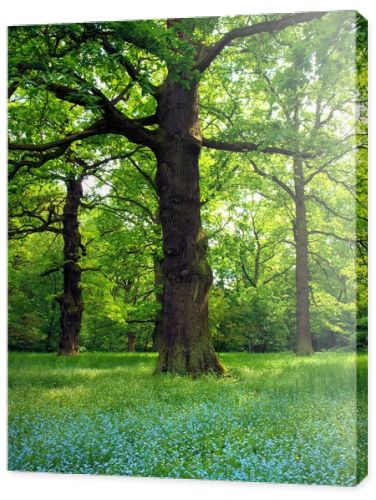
16	485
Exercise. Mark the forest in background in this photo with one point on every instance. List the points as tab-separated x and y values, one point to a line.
94	214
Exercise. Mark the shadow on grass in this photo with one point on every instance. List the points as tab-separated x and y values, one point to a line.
331	373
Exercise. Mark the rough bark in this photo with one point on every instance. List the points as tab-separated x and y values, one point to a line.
304	338
71	304
185	345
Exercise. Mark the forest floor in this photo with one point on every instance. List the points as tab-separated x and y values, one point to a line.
274	418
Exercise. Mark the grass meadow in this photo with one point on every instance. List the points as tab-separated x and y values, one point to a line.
273	418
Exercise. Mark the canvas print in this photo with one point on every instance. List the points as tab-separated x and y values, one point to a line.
188	248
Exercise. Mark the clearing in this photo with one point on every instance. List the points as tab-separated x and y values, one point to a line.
275	418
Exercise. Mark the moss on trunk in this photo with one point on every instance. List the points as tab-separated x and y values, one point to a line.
185	344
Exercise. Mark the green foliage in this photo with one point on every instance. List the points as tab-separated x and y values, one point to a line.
33	313
252	92
362	334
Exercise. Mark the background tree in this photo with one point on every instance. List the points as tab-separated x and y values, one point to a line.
308	103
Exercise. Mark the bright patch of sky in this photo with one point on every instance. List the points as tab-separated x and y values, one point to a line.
91	184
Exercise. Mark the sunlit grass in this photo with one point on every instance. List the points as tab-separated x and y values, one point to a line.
276	417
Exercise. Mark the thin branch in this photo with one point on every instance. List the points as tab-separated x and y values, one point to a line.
322	167
91	169
273	178
246	147
278	274
144	174
332	235
219	184
140	320
246	274
132	71
327	207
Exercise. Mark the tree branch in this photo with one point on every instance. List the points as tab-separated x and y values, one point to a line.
264	27
93	167
246	274
18	164
327	207
16	74
127	65
273	178
12	87
97	128
147	120
322	167
144	174
16	234
140	320
132	71
114	123
332	235
246	147
277	274
52	270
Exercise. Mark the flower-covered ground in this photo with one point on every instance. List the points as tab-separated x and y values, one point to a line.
274	417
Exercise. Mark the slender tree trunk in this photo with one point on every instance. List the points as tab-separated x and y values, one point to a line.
50	327
94	344
146	343
71	304
131	341
304	341
185	345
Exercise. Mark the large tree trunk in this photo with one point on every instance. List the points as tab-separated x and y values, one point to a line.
71	304
304	341
185	345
